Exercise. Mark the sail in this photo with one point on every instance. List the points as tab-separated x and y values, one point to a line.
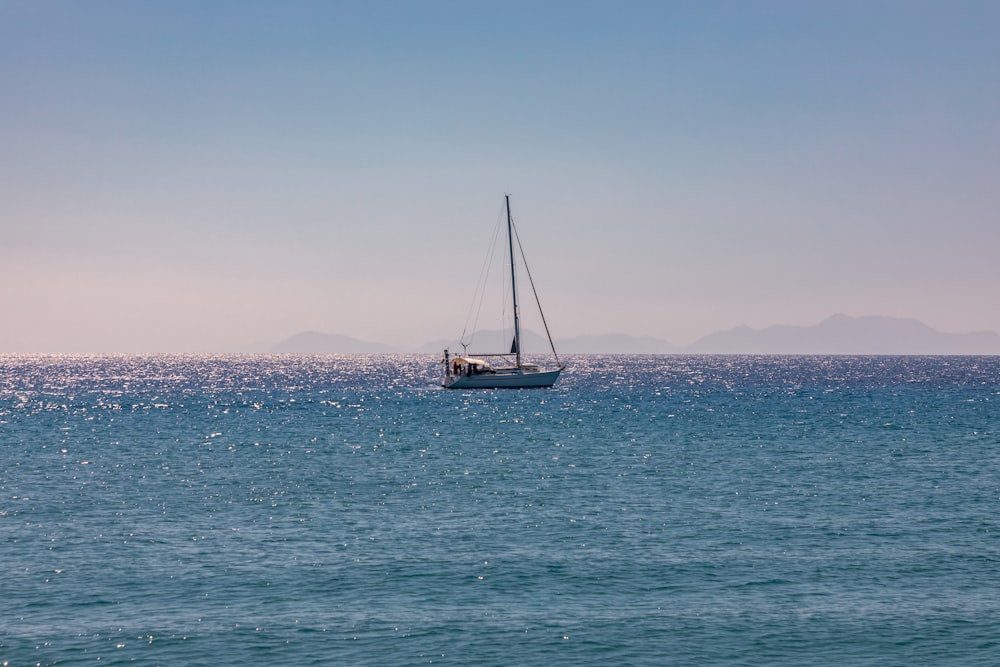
513	346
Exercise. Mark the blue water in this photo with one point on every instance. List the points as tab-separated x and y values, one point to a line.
192	510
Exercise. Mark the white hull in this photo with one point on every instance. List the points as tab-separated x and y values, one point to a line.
503	378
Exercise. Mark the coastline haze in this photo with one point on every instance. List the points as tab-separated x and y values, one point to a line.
836	335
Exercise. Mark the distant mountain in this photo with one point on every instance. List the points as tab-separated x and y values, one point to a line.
534	343
842	334
313	342
615	344
488	341
839	334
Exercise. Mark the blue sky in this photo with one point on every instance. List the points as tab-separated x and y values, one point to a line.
193	176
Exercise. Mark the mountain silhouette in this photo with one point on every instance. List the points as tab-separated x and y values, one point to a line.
842	334
838	334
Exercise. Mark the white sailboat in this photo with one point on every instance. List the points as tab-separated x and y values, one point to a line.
481	371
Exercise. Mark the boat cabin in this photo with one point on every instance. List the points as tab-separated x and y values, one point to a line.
470	366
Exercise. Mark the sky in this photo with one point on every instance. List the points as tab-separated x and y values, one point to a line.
194	176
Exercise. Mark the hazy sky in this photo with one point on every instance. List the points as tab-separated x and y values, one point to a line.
216	176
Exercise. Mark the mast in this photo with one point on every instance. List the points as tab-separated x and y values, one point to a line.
513	285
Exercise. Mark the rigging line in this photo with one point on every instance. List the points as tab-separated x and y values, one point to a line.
479	295
538	301
500	255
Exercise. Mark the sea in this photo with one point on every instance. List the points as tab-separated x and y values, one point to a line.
647	510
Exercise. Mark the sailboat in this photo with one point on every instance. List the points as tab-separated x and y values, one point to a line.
480	371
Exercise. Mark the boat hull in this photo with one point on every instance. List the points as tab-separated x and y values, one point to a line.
503	379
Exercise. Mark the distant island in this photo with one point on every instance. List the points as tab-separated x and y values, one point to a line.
842	334
838	334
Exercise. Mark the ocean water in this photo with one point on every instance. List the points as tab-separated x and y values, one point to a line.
664	510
